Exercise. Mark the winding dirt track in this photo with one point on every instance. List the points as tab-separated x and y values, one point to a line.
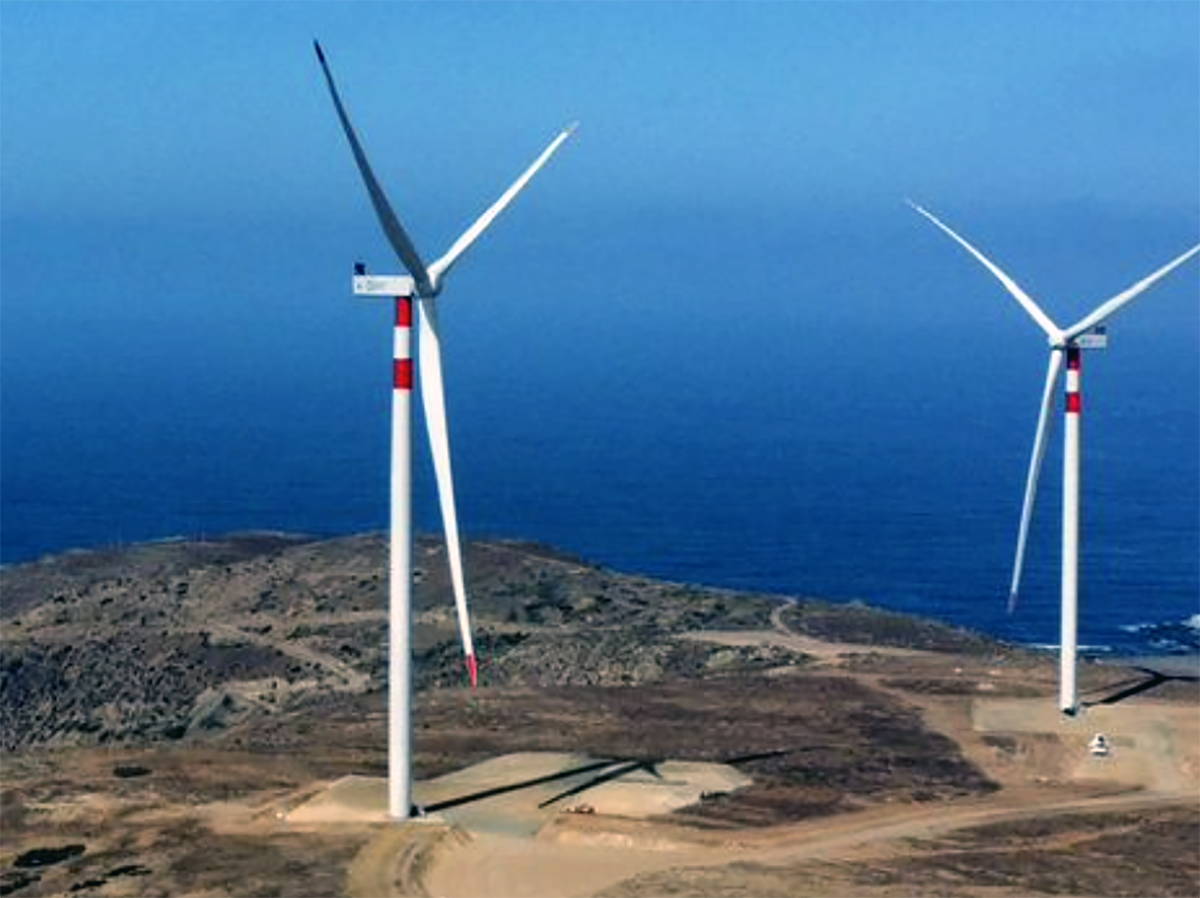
824	652
581	855
411	861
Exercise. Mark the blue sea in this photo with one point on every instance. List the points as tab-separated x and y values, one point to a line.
830	402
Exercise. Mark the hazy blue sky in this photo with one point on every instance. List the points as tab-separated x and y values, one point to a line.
142	110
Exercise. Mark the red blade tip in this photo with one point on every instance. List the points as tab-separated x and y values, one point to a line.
473	670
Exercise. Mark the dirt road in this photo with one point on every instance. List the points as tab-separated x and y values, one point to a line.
824	652
580	855
569	861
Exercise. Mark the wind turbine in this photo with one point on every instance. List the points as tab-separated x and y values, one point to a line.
424	282
1065	346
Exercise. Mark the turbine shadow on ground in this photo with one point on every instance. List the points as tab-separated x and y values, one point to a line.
605	770
515	787
1135	686
621	769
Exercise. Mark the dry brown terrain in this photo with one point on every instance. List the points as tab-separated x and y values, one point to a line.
168	708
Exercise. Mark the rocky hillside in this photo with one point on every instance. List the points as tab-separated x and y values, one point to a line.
175	640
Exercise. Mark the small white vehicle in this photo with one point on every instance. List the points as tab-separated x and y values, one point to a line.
1099	746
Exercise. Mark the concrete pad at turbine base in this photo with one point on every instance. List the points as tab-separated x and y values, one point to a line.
352	799
517	794
1154	745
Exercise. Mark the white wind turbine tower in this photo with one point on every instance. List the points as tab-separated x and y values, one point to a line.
425	283
1065	344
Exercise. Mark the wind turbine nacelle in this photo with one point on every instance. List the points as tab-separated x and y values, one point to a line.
1096	338
389	285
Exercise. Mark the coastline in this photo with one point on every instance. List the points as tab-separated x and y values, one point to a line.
1181	659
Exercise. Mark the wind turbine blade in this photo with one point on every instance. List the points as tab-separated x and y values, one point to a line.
392	228
1035	467
433	399
443	265
1112	306
1026	301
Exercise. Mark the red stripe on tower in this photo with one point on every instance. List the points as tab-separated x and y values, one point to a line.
402	370
1074	395
404	309
402	375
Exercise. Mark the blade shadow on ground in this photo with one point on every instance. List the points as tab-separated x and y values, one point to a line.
621	769
605	771
1136	686
495	791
